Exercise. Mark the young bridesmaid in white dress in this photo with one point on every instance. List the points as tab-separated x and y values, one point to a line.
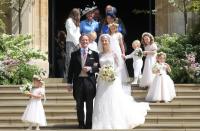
117	47
162	87
34	112
150	53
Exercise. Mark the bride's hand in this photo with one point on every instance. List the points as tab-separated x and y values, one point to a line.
123	56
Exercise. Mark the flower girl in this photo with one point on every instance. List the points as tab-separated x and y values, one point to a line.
162	87
150	48
34	113
136	55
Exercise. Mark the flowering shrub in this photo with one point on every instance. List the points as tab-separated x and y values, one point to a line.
192	67
15	56
182	56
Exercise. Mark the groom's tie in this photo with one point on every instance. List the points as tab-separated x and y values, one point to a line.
84	54
84	57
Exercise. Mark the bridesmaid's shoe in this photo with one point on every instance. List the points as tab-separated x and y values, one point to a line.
37	128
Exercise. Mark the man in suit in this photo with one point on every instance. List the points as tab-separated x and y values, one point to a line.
84	64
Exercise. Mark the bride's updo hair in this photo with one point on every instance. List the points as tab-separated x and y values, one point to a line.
106	36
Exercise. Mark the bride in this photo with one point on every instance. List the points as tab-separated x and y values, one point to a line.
113	108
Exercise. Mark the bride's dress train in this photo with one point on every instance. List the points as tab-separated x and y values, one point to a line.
114	109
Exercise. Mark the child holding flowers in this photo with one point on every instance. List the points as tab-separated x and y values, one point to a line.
34	112
136	55
162	87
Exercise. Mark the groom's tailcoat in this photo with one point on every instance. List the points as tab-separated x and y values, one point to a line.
75	68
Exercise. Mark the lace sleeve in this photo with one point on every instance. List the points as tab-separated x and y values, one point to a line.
116	61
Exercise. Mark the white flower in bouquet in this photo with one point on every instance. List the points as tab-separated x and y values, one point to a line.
156	68
107	73
25	89
138	52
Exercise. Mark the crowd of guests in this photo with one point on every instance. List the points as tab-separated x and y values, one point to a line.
94	25
103	41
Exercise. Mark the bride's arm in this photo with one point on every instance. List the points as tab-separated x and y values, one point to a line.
116	60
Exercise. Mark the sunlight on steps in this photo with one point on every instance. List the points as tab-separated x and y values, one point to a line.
182	114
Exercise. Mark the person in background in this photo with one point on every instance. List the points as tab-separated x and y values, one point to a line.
93	44
117	46
60	54
112	10
72	26
89	24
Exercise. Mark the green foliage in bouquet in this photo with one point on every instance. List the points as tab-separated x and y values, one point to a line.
182	55
15	59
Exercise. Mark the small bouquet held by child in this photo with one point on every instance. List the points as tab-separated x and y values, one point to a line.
25	89
156	68
138	53
107	73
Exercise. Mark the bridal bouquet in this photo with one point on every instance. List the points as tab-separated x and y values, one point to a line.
107	73
156	68
25	89
138	52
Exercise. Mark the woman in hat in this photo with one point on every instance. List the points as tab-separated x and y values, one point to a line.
34	112
89	24
111	16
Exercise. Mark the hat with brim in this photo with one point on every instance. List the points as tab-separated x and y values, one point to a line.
88	9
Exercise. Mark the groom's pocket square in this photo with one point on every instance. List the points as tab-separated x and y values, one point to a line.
91	58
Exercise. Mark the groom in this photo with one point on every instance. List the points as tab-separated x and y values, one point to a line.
84	64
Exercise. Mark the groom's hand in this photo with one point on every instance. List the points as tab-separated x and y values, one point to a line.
69	88
86	69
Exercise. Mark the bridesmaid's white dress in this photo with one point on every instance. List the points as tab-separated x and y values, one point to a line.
115	46
113	108
147	75
162	87
34	112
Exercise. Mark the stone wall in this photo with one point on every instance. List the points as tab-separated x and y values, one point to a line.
34	22
170	20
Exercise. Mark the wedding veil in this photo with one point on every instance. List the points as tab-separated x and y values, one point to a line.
108	37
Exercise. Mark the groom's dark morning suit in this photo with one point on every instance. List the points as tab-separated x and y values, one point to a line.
84	84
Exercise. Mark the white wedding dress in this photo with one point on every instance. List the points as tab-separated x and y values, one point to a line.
115	46
113	108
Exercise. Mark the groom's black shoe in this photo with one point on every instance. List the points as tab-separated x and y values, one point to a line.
81	126
89	126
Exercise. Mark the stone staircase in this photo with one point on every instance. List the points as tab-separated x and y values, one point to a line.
182	114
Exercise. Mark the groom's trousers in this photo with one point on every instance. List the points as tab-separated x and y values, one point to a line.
85	92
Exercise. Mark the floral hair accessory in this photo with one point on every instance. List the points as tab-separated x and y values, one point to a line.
37	77
113	24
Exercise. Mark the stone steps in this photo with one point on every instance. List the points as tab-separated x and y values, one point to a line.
64	92
144	127
183	113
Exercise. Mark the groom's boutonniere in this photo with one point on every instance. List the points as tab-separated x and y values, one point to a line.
89	52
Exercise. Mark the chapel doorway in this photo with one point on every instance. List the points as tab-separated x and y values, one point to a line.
134	13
